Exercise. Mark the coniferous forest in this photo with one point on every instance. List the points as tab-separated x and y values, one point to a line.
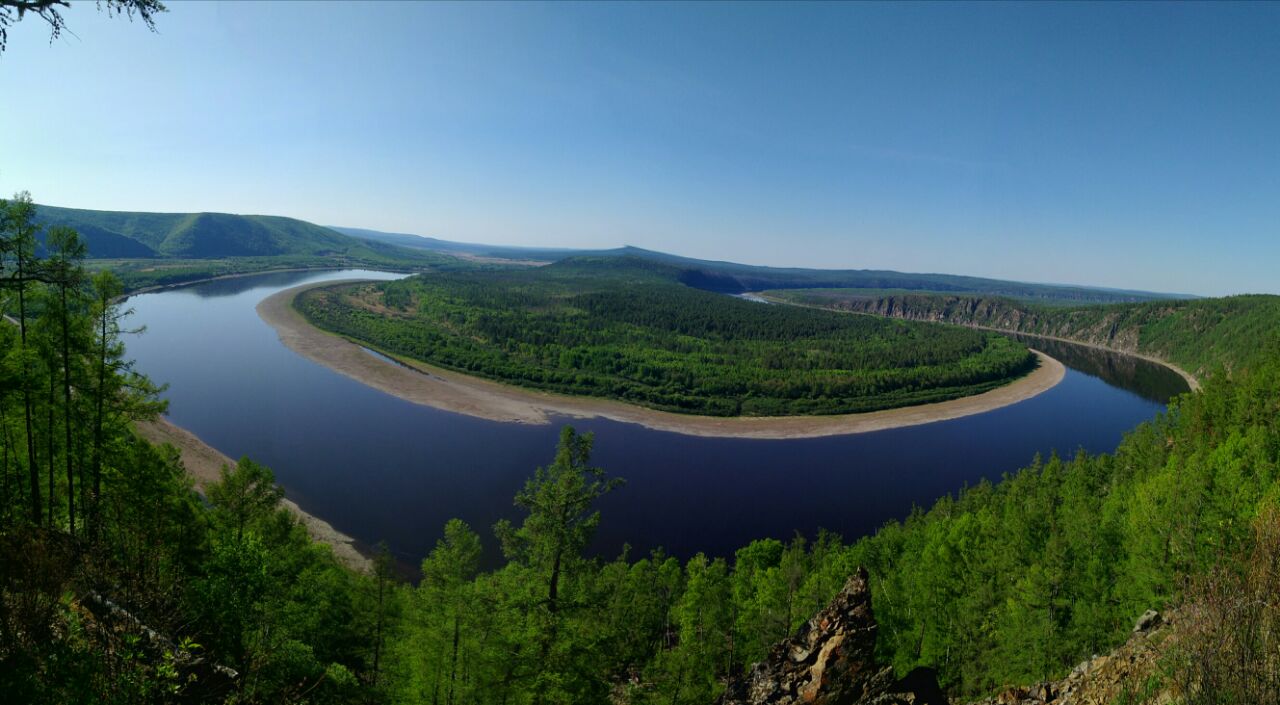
625	328
120	584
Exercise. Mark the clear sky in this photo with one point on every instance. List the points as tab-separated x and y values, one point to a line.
1124	145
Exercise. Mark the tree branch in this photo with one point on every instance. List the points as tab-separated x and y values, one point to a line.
24	6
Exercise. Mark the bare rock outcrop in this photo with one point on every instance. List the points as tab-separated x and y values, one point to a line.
830	660
1106	679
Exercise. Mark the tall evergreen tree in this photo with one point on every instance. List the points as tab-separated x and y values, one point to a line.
17	217
66	250
548	544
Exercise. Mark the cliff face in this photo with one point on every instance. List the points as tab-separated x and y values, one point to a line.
1157	332
1108	330
830	660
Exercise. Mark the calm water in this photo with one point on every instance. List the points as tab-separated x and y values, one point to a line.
379	468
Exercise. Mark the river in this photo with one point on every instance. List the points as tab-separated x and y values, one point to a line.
382	469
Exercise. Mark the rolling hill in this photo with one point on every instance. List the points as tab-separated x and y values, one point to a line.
422	242
733	278
149	250
126	234
274	241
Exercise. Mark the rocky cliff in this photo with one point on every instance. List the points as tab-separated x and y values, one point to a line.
1114	328
830	660
1108	330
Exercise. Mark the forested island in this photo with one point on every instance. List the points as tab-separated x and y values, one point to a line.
627	329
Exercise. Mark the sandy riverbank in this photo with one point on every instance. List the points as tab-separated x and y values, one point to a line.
451	391
204	463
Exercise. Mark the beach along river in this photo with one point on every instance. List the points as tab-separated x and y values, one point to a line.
380	468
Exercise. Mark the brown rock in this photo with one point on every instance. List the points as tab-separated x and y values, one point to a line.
830	660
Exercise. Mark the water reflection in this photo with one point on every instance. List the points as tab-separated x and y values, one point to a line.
1147	379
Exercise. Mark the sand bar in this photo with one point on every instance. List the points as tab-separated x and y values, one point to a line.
204	464
425	384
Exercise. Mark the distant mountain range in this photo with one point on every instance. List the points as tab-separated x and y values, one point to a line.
733	278
207	236
422	242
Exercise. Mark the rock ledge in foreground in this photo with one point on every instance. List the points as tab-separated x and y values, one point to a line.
830	660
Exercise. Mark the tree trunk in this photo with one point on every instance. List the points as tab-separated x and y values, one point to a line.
50	436
4	420
66	407
98	423
33	469
377	633
453	664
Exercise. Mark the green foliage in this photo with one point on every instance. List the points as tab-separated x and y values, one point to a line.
118	583
624	329
1004	583
1201	336
243	494
546	559
13	11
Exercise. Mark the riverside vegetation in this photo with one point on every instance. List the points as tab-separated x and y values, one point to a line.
1202	336
118	584
626	328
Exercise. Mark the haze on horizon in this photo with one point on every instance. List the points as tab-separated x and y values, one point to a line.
1120	145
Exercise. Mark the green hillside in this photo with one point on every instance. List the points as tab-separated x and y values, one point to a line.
117	234
730	277
158	249
1200	335
422	242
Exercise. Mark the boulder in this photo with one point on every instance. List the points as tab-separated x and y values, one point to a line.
1148	621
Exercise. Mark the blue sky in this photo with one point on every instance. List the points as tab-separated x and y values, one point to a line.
1124	145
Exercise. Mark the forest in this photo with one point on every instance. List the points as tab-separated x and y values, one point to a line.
1202	336
120	584
625	328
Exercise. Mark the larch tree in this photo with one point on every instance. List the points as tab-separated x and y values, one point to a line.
561	522
14	11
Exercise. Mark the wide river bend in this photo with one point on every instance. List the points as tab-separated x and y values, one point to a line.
380	468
